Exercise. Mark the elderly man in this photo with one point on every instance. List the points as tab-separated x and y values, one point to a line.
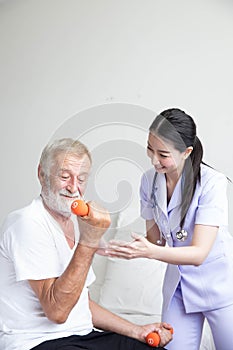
45	257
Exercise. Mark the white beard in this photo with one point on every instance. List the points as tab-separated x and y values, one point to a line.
60	201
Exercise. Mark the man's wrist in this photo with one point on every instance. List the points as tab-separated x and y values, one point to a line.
91	246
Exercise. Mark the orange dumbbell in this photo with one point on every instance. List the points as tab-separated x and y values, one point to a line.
79	207
153	338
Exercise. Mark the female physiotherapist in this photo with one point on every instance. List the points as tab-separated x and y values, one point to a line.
185	205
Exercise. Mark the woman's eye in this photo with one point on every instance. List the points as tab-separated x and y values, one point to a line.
163	155
149	150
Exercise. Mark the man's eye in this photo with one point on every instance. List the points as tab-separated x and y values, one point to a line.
163	155
64	177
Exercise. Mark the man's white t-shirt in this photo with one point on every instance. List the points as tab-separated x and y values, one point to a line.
33	246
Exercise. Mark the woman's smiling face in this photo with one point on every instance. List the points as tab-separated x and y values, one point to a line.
164	157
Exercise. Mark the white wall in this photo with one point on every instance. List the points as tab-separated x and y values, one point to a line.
60	57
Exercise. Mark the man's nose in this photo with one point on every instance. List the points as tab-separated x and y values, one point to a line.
73	187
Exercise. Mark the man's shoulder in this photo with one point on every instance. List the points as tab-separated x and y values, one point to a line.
31	212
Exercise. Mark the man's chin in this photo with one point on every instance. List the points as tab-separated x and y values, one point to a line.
63	210
61	206
65	213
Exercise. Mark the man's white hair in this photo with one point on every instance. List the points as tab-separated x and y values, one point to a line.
66	146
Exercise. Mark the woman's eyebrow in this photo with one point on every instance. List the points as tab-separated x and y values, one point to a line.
159	150
163	151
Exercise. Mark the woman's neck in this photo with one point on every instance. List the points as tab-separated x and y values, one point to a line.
171	181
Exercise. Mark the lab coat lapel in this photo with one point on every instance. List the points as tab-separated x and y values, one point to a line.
174	207
161	192
176	198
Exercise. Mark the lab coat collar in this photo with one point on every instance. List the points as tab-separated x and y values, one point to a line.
161	194
176	198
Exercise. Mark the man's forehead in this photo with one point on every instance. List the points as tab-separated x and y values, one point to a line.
67	160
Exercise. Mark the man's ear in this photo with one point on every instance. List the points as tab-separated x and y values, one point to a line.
188	151
40	174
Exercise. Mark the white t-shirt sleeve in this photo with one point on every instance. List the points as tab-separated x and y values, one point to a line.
213	205
32	250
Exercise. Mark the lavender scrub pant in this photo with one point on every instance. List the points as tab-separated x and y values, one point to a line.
188	326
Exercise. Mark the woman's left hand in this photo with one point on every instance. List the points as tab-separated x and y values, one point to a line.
139	247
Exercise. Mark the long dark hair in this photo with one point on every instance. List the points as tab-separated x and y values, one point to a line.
177	127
